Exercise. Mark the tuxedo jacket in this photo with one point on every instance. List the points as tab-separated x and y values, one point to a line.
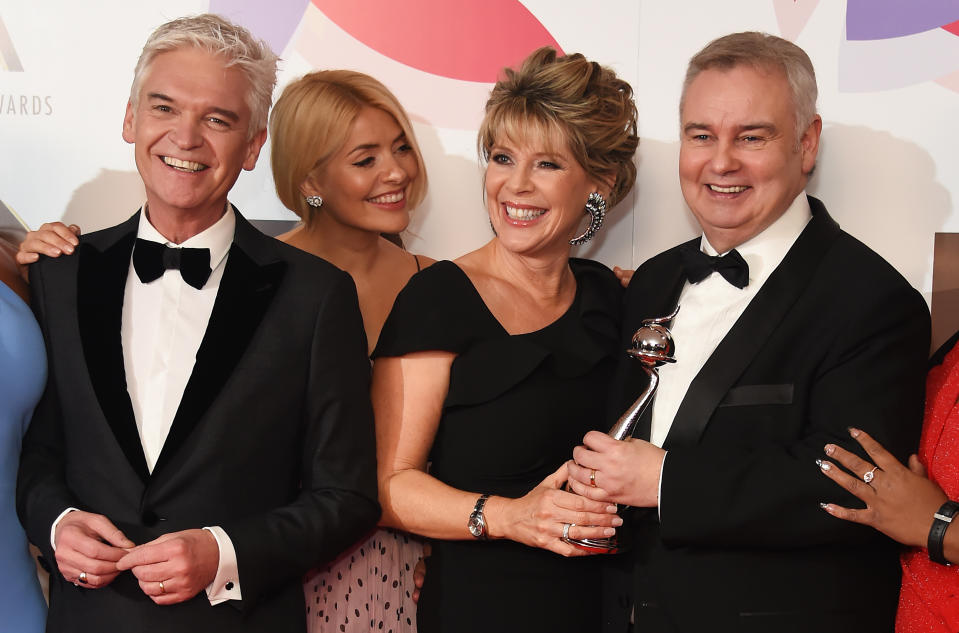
272	441
834	338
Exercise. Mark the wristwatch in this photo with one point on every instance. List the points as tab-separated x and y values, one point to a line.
477	522
940	522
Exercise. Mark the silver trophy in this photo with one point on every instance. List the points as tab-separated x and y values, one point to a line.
653	346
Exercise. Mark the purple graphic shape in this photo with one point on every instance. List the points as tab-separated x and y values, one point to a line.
273	21
882	19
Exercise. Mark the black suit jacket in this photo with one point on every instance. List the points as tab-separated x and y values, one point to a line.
272	440
835	338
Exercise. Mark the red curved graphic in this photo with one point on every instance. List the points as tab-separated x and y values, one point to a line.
471	41
953	27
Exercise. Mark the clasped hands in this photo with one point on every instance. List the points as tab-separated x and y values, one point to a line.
624	472
170	569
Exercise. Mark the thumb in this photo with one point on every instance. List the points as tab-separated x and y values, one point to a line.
110	533
557	478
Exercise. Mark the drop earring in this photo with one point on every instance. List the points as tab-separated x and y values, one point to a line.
596	209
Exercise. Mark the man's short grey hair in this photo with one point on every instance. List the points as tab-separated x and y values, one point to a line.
218	36
766	52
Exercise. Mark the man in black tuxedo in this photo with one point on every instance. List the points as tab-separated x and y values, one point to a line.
797	332
206	433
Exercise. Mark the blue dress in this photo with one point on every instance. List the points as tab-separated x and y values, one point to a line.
23	373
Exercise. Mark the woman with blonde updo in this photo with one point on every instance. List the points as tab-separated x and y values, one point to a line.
492	367
345	160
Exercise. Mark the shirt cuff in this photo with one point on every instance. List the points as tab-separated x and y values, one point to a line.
56	522
226	584
659	490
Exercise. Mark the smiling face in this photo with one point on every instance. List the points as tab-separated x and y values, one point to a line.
740	163
366	183
190	131
535	195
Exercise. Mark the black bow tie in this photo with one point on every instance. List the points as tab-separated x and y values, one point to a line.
698	265
150	259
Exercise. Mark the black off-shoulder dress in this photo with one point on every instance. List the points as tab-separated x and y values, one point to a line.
516	407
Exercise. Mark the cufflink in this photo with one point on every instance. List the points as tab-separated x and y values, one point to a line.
229	586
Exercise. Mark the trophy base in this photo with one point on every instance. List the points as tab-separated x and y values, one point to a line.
595	545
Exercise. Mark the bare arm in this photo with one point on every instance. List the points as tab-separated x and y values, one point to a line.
408	394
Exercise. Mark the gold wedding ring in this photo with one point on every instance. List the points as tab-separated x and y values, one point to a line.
592	477
162	589
82	577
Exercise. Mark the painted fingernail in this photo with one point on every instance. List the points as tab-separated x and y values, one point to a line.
611	509
854	432
829	449
68	250
824	465
609	532
823	505
617	521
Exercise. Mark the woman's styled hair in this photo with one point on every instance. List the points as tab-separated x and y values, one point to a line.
573	99
765	52
218	36
312	120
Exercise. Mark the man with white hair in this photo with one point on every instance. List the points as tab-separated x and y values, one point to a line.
206	433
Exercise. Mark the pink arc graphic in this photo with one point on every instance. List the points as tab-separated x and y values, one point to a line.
418	48
469	41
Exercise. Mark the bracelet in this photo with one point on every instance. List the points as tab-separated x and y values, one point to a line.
941	521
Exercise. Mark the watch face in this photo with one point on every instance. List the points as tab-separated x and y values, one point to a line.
476	526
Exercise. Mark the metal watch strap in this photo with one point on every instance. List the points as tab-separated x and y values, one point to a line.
941	521
477	519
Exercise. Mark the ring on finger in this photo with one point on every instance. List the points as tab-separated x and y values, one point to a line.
162	588
592	477
869	475
566	527
82	577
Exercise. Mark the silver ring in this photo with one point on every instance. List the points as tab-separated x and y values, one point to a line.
162	589
566	527
82	577
869	475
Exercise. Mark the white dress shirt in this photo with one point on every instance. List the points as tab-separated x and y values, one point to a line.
710	308
159	353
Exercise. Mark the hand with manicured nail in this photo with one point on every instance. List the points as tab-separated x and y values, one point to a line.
900	501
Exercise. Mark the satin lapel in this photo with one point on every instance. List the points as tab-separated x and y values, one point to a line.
249	283
748	335
101	279
655	297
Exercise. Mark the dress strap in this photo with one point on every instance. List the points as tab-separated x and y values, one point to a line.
417	260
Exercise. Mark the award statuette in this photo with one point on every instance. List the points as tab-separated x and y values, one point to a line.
653	346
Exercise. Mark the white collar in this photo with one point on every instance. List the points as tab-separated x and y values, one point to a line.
765	251
218	237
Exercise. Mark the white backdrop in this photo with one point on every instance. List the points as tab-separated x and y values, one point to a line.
888	76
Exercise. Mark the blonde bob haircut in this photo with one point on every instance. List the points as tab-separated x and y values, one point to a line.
312	120
570	100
